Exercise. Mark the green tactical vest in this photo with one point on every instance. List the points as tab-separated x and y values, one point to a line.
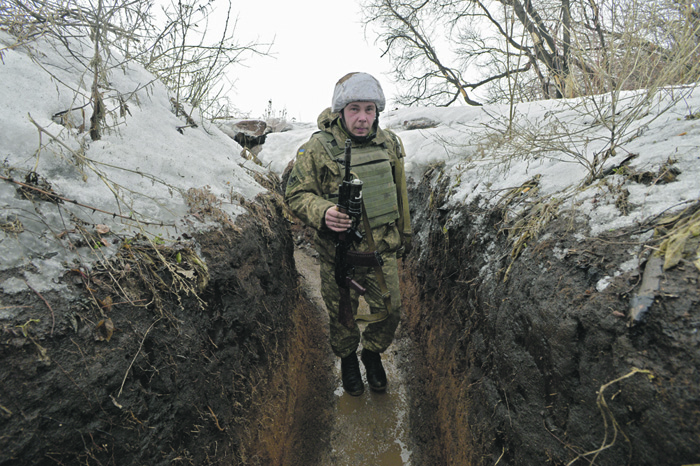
372	165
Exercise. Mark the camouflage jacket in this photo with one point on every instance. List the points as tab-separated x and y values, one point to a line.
316	176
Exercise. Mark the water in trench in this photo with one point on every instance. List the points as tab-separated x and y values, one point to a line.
370	429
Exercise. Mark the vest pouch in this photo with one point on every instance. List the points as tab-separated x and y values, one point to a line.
372	165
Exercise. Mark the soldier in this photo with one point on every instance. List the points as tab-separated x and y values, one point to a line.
312	194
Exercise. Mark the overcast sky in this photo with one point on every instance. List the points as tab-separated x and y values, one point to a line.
315	43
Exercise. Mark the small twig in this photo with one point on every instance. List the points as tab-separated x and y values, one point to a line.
82	354
5	410
136	355
648	223
53	317
569	447
128	302
73	201
215	419
180	128
86	283
503	452
606	412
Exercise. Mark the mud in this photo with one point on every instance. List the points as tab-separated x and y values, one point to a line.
542	368
221	381
369	429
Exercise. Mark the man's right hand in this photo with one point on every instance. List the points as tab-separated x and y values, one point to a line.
337	221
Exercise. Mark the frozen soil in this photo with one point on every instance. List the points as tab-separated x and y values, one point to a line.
542	367
158	377
244	376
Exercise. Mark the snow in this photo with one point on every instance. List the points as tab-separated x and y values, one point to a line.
463	142
142	167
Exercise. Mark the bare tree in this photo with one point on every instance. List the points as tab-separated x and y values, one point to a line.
95	38
481	43
619	64
554	48
411	33
176	47
64	19
194	60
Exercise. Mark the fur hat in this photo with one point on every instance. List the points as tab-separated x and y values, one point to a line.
357	87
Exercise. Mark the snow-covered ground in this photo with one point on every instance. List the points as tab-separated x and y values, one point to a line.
658	136
464	139
143	167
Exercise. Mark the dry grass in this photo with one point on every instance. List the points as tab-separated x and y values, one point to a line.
681	237
534	214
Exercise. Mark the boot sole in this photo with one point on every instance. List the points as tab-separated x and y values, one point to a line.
355	393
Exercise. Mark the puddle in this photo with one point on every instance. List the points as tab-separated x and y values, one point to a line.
371	429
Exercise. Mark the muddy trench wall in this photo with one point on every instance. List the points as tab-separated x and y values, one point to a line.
171	379
542	368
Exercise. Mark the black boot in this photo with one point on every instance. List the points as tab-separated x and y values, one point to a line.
352	379
376	377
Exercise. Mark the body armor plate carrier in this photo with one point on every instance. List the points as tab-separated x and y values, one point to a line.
372	165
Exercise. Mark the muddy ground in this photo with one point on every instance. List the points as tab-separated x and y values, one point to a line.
372	428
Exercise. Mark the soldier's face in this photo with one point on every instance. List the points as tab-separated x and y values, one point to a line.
359	117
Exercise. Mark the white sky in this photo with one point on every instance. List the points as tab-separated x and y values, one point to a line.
315	43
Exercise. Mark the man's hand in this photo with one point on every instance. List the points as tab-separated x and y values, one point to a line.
337	221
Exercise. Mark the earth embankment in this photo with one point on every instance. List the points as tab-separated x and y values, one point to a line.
154	358
535	358
519	359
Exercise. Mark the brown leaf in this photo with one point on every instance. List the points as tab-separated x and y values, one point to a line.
104	330
106	303
102	229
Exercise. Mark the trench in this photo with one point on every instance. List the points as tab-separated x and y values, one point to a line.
483	371
488	371
372	428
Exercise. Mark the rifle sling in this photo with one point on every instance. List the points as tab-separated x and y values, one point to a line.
379	273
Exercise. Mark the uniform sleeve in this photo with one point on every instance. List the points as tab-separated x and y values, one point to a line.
404	222
304	193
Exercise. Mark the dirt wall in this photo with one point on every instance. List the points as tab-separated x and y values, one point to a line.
162	375
532	364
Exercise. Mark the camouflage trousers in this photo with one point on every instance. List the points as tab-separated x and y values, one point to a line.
376	336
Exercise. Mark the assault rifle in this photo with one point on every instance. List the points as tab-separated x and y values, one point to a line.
350	202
